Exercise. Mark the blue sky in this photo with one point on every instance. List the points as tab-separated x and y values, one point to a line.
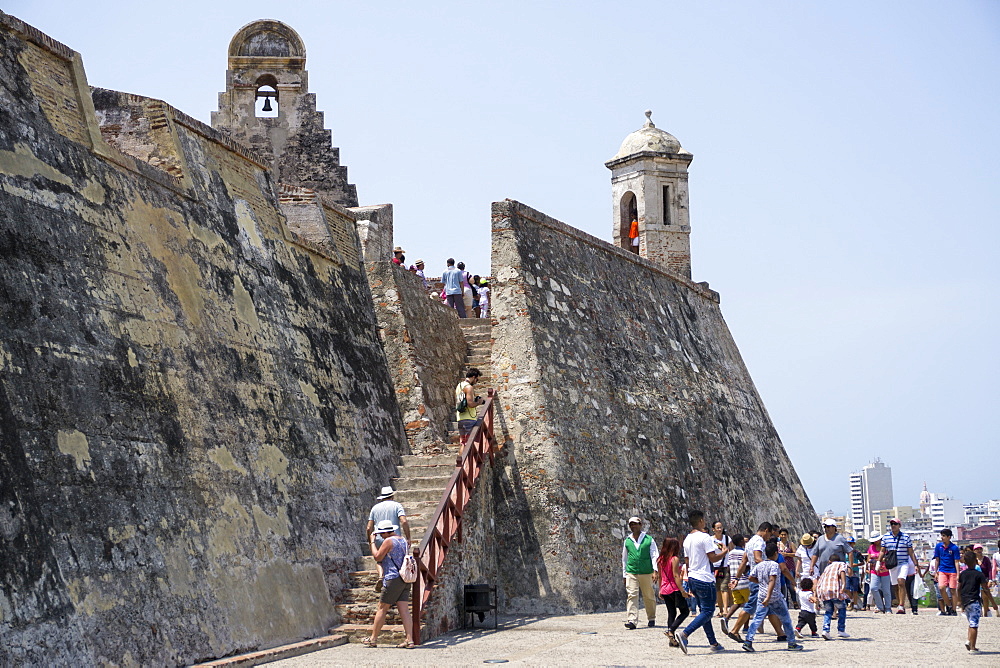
844	195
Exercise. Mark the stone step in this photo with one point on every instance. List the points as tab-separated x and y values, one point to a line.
278	653
406	496
363	578
479	339
364	613
478	360
424	471
424	482
389	635
429	460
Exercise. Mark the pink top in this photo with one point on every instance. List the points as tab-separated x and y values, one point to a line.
872	558
668	584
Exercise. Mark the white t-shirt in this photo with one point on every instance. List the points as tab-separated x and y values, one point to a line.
804	554
805	603
755	543
697	546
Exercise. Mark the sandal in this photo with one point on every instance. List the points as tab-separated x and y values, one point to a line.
405	645
369	642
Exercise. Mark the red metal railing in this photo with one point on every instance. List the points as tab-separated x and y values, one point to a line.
446	523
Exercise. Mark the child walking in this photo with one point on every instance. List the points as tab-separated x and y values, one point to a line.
769	601
740	588
807	607
832	591
971	585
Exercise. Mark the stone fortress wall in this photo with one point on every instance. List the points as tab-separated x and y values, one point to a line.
195	406
208	366
624	394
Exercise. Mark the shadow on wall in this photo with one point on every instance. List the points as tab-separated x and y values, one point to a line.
522	568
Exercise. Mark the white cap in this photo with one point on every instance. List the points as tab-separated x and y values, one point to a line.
829	522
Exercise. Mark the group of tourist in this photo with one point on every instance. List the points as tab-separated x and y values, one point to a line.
388	532
766	575
467	293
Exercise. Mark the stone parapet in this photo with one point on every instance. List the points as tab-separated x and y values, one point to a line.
425	349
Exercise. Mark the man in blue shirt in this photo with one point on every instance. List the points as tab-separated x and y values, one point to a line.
452	279
946	556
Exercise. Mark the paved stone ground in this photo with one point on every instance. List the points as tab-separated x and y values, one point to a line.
925	640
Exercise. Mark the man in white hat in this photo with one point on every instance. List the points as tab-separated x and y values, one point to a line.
829	543
386	510
639	554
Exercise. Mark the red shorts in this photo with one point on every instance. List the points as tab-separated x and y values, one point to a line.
947	580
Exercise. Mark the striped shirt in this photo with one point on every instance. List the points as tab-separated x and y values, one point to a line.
901	544
733	559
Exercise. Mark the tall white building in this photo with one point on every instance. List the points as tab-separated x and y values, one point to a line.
857	513
871	490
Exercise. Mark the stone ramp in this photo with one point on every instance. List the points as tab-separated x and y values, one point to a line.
420	484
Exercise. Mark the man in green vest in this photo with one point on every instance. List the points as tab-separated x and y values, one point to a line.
639	553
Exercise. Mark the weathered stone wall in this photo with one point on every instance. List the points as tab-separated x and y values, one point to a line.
623	393
374	226
425	350
195	407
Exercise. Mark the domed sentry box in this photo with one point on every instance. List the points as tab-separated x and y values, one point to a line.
479	599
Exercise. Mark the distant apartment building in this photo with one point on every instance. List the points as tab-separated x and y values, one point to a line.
946	512
871	490
908	517
978	514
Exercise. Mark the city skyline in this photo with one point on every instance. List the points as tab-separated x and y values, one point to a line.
871	502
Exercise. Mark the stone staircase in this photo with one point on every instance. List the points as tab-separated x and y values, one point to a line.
478	334
420	483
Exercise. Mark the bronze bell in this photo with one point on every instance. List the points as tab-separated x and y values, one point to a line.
267	104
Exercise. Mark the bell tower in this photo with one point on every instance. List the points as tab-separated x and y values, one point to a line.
267	105
649	187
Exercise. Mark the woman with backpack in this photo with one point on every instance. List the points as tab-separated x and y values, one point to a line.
391	555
